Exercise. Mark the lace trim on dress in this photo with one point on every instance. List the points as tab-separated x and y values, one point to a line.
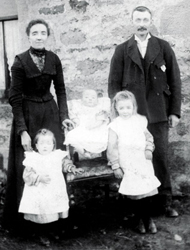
38	57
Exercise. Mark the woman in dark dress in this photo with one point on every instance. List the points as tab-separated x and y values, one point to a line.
33	108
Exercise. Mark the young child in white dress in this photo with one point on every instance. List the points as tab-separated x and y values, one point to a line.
45	197
129	152
90	135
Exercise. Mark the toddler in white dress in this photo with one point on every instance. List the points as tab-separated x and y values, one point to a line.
90	135
45	197
130	147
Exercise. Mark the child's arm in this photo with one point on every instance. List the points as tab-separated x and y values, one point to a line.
113	155
31	178
149	145
69	167
101	118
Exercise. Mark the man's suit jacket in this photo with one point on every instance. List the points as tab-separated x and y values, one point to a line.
155	83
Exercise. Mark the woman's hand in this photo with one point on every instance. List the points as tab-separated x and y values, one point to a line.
118	173
68	124
26	141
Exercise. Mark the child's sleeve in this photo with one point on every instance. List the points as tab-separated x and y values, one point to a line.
149	141
30	177
112	149
67	164
148	136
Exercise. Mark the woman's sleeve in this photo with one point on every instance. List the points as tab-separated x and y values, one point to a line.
15	95
60	90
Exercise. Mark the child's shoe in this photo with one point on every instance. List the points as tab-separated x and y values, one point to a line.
44	241
152	227
170	212
140	228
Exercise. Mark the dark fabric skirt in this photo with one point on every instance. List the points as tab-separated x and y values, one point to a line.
37	116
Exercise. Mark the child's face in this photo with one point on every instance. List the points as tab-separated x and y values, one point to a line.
45	144
124	108
90	98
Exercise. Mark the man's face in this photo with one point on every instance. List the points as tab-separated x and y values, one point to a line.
142	22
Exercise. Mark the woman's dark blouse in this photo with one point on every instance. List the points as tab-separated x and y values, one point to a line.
29	83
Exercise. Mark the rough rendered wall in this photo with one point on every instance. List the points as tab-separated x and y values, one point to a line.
84	35
8	8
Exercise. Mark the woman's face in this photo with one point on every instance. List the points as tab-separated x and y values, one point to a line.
38	36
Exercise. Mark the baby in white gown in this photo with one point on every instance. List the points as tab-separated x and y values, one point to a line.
90	135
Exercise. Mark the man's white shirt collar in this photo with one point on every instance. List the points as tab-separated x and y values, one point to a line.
142	45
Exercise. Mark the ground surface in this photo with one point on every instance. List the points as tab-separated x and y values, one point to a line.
101	225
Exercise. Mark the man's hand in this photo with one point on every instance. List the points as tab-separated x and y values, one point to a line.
173	120
26	141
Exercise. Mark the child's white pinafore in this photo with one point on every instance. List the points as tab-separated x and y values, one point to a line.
139	178
44	203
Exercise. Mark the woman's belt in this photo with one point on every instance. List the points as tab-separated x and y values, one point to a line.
45	98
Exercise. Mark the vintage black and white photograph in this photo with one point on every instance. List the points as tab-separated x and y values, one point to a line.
94	124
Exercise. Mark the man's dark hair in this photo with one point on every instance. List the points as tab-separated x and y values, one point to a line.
141	9
34	22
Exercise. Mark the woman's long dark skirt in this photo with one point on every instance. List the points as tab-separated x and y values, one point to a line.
37	116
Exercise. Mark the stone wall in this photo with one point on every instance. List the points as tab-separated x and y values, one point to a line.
84	35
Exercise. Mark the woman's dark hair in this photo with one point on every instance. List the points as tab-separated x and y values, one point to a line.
37	21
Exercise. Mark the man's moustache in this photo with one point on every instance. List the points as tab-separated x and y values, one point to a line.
142	28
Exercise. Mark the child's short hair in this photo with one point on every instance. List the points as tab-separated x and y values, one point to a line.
123	95
42	132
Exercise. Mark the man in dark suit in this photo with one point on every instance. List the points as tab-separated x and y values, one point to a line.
147	66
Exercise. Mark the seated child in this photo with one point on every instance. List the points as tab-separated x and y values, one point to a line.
45	198
90	135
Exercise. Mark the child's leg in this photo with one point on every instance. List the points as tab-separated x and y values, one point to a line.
142	210
138	224
145	204
41	231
